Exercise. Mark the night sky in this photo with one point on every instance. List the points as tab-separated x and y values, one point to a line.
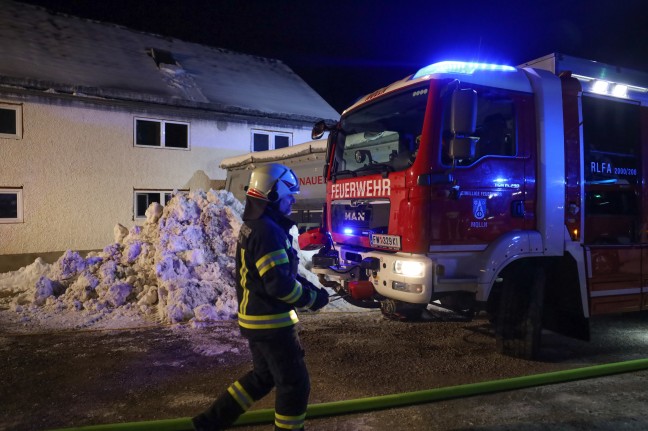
347	48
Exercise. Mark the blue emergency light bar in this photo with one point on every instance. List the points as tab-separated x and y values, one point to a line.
463	67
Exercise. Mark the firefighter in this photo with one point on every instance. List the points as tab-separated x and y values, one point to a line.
269	290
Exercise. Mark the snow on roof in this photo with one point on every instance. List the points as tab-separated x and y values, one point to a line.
246	160
59	53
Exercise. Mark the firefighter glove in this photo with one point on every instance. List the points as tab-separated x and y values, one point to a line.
321	299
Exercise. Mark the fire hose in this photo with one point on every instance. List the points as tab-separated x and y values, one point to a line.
266	416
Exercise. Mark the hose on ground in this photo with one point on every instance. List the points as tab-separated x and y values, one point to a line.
382	402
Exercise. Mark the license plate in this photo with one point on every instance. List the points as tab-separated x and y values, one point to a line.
385	241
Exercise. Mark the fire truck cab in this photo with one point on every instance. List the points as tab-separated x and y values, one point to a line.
513	190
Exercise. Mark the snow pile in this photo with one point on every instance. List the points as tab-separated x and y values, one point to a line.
178	267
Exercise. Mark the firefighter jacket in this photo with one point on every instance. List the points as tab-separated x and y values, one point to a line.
268	287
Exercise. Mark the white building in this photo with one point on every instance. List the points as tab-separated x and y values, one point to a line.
97	121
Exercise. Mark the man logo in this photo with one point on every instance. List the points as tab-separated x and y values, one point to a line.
354	216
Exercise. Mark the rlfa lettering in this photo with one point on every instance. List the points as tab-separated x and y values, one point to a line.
369	188
601	167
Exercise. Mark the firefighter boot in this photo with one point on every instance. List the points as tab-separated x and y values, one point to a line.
203	423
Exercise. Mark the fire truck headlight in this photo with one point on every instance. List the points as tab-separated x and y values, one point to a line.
409	268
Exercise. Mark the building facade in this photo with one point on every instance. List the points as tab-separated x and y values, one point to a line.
97	121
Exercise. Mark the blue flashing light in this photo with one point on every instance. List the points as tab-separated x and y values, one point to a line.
348	231
463	67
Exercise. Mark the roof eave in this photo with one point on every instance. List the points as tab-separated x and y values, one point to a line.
52	89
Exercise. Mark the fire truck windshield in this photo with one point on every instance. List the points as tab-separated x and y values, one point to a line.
383	136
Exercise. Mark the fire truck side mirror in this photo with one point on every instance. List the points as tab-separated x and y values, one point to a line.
463	122
330	147
318	129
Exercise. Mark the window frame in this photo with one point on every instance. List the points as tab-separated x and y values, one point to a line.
19	204
272	134
18	109
163	201
162	143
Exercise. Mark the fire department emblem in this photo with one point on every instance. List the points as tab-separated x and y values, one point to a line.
479	208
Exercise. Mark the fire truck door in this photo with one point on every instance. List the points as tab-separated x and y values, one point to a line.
488	195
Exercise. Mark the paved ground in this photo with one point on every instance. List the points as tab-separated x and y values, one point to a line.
101	377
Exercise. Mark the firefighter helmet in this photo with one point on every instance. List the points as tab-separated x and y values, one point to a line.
272	182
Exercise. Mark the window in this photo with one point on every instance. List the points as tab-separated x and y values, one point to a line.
263	140
143	198
612	214
161	56
11	206
495	127
10	121
611	141
611	201
307	219
159	133
383	135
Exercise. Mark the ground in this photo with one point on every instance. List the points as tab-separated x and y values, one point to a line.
90	377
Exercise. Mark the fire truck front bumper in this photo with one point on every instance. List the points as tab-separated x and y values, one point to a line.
401	276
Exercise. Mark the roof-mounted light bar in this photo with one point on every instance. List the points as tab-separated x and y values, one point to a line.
463	67
608	88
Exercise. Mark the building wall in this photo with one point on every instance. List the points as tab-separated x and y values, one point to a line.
78	167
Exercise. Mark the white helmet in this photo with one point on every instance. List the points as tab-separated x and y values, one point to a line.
272	182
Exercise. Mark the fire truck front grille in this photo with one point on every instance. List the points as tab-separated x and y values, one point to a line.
360	217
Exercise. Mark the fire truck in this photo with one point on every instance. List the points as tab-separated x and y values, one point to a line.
515	191
305	160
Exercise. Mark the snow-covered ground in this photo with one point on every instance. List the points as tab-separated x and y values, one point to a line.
178	268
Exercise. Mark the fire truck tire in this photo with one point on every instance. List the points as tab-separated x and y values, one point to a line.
403	311
518	325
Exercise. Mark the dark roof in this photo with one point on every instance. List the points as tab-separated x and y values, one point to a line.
60	53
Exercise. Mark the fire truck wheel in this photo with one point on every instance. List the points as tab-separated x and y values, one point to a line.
518	323
403	311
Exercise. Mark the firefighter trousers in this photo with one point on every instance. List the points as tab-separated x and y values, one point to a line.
278	362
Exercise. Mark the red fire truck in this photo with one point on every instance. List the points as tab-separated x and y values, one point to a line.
518	191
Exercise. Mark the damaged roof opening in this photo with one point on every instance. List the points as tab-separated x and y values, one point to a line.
161	56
